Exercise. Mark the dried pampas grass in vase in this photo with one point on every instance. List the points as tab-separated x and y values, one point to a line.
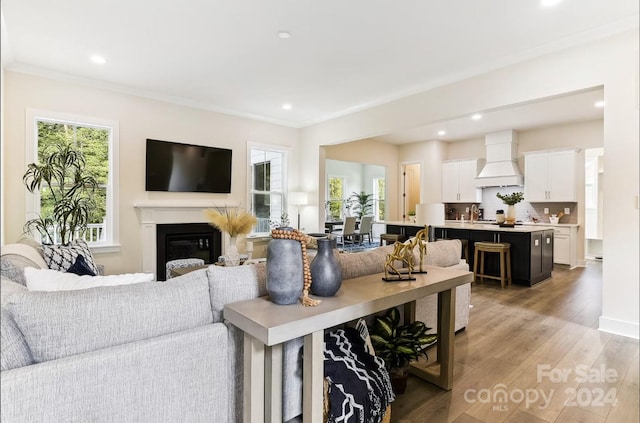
234	221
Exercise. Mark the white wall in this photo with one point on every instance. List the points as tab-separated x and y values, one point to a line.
4	53
352	174
139	118
2	171
612	63
430	155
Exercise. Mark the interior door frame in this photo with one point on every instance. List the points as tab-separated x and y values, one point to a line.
403	185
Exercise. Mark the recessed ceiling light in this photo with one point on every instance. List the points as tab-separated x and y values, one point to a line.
287	106
97	59
442	132
599	104
476	116
284	34
550	3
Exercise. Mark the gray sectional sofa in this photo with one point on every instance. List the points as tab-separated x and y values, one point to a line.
150	352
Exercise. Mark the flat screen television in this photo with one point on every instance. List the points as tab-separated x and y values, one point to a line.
179	167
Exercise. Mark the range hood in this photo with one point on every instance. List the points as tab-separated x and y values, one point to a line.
501	168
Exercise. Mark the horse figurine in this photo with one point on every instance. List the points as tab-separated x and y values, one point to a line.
403	253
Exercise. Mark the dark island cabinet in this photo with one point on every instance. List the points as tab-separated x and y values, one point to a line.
449	233
406	230
520	253
531	252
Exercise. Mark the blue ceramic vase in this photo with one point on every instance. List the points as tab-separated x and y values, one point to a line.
326	275
285	275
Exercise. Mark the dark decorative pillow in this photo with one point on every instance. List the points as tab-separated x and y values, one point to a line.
62	257
80	267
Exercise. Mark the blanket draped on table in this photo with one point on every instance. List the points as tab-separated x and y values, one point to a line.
359	385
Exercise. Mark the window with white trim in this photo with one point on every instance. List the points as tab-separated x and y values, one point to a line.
268	170
337	201
97	140
378	198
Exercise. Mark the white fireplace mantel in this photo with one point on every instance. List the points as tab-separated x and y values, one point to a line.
153	213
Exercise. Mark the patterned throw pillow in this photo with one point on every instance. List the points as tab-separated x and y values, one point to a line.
80	267
62	257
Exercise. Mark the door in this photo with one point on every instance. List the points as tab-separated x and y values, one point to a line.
536	254
562	179
411	188
519	242
467	182
450	190
536	174
547	251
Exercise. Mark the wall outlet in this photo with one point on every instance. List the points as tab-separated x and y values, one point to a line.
467	210
567	210
546	210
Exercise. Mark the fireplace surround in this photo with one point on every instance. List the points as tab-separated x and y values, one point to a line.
151	214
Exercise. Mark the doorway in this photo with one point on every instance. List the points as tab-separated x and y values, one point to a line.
410	189
594	179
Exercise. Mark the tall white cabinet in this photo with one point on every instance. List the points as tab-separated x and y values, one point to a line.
551	176
459	181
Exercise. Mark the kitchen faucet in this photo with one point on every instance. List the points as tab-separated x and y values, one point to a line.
473	215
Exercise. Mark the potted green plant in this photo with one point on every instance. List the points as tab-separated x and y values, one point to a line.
398	345
61	176
412	215
511	200
362	203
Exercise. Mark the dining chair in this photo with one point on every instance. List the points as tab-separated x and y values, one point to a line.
348	230
365	228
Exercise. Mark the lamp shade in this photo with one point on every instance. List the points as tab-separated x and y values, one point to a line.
430	214
298	198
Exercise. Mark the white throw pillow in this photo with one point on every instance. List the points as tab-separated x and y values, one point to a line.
53	280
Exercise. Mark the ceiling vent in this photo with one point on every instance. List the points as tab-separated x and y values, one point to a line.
501	168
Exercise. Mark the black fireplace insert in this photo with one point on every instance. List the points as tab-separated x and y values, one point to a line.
186	240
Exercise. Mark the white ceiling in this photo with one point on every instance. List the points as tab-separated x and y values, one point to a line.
573	107
342	56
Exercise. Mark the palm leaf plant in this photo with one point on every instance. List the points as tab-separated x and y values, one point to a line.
362	203
63	176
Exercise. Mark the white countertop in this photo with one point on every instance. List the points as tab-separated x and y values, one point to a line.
546	224
487	226
479	226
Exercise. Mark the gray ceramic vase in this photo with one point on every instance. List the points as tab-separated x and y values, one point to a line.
326	275
285	277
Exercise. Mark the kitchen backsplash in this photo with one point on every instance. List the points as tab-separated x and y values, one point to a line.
525	211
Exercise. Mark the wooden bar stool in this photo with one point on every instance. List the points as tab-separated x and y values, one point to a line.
387	238
502	248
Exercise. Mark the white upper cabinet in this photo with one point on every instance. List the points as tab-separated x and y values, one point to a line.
459	181
550	176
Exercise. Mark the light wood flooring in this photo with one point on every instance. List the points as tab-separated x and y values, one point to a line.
526	342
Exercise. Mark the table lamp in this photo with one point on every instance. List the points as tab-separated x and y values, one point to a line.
430	214
298	198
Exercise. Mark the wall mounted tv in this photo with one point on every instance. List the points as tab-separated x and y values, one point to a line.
178	167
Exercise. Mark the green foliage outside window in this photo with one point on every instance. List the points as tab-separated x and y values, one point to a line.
71	175
336	195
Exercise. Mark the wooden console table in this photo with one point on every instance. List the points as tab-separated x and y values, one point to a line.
267	326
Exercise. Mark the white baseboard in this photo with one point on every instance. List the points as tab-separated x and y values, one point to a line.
619	327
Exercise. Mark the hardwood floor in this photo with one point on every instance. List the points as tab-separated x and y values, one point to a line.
534	355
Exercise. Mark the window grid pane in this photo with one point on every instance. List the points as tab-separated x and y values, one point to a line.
93	143
336	197
267	188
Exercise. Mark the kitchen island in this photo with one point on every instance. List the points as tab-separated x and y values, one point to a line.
531	246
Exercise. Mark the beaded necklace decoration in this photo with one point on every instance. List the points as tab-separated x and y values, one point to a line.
301	237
